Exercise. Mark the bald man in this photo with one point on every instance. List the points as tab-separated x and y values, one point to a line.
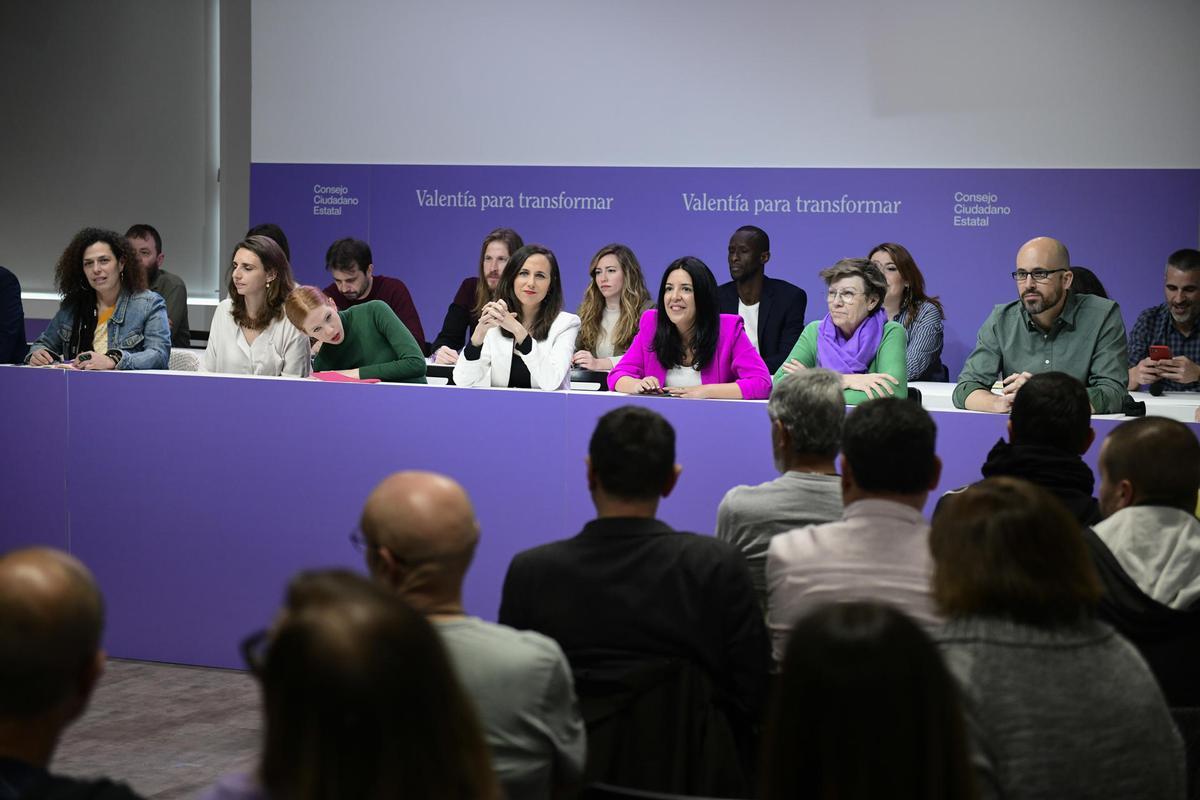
51	615
420	533
1047	329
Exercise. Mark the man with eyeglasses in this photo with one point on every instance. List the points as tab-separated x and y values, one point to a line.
419	532
1048	329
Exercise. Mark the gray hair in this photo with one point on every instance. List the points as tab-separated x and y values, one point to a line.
811	406
872	277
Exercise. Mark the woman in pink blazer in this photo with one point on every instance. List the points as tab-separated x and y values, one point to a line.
685	348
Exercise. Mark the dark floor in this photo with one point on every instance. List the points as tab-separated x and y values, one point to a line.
166	730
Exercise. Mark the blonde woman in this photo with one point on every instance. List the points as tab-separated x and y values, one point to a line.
612	305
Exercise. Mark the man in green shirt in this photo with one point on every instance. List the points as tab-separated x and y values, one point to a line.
1047	329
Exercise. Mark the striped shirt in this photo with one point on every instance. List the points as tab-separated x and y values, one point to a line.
923	357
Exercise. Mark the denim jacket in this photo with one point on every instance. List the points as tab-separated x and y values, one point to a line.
138	328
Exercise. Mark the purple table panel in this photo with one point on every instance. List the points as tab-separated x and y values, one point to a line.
33	438
195	498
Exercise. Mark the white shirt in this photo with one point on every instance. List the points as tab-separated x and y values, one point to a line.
683	376
1159	548
549	362
281	349
749	315
605	347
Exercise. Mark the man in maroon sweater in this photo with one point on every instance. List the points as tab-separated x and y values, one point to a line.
354	284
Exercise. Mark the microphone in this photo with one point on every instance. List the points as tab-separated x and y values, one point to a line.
1156	389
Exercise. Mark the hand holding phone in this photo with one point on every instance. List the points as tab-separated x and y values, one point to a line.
1160	352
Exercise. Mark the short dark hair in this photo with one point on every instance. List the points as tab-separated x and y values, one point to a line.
761	241
1186	259
360	699
1159	456
348	255
1006	548
890	446
865	708
274	233
142	231
1052	409
632	452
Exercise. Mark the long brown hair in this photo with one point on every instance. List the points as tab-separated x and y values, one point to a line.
634	300
910	274
512	240
278	288
552	303
361	700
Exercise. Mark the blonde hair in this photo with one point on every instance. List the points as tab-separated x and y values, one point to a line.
302	301
634	300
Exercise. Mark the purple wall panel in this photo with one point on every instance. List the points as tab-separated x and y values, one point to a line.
34	431
194	499
1120	223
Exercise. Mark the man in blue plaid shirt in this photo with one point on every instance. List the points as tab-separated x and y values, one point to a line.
1175	324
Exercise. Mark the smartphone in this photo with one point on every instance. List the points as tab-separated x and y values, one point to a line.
1159	352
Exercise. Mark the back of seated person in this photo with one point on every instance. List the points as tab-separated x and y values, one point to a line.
51	616
865	709
1049	430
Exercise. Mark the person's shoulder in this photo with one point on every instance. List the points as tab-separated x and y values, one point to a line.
727	290
391	285
1150	313
891	327
64	788
224	308
784	288
649	317
145	297
565	319
371	307
170	280
550	551
529	647
1093	303
730	323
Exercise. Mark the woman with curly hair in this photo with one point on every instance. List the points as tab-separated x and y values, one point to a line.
108	319
249	334
615	298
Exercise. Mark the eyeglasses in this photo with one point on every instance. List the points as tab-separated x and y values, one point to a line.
1038	275
254	650
847	296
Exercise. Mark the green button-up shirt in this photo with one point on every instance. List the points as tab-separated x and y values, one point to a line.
1086	341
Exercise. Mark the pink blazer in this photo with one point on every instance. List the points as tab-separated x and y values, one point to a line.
736	360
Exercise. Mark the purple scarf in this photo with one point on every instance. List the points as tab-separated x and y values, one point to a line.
853	355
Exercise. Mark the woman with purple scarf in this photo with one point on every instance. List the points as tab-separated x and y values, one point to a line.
855	338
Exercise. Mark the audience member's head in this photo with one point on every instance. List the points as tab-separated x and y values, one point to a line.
888	450
419	532
1052	410
274	233
631	456
1087	282
749	252
1149	461
51	616
1006	548
259	271
361	700
107	254
352	266
147	247
807	411
864	709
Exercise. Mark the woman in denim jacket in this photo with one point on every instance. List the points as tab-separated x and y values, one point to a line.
108	319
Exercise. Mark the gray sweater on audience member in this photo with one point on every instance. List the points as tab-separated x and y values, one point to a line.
1062	712
750	515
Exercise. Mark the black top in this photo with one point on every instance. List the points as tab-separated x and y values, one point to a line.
21	781
630	589
459	323
12	320
780	317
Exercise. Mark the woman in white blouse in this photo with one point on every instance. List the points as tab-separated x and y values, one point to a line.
524	339
614	301
249	334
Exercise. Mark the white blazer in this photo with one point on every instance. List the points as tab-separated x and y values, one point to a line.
549	362
281	349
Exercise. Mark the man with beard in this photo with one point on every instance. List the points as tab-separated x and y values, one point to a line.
350	263
147	244
1173	324
773	310
1047	329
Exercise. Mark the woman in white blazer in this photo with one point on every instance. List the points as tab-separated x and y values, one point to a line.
524	339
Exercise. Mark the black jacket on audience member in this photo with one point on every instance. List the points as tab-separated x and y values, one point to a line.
1063	474
1168	638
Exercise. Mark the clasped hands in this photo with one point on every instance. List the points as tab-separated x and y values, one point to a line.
873	384
496	315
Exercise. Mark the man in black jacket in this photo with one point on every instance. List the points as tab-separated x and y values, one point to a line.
773	310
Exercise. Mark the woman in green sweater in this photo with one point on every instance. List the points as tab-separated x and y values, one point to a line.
855	338
364	341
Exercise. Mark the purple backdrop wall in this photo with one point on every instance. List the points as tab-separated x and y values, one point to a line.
425	223
195	498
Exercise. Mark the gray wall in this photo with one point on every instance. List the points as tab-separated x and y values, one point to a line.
925	83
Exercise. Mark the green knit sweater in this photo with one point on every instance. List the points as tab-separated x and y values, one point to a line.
376	343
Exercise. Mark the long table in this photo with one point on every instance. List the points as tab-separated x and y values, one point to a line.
194	498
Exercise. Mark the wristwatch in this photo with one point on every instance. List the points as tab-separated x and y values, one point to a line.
115	355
